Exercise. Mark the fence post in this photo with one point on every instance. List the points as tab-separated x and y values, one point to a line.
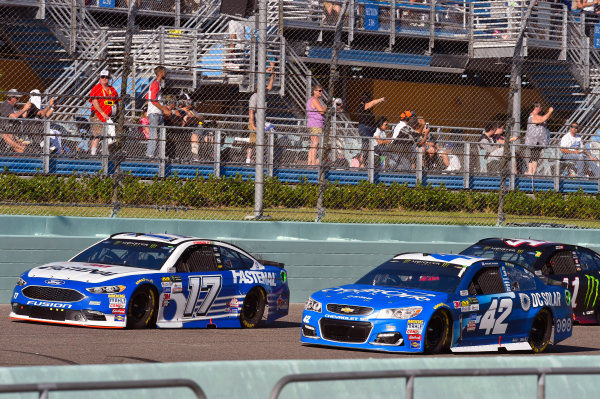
419	170
217	155
557	174
46	157
104	155
161	49
467	165
162	144
72	39
431	26
371	160
177	13
271	154
392	24
513	165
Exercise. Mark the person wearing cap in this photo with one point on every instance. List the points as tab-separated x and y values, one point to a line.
156	109
367	124
8	109
104	99
537	135
572	149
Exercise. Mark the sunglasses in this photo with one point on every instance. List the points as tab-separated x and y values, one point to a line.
104	77
574	127
319	91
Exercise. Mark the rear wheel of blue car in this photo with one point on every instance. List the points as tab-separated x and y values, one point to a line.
437	334
253	308
541	330
141	312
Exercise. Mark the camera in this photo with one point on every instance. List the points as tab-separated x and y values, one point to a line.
338	101
427	125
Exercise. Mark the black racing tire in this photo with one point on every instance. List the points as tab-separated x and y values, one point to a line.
253	308
438	333
597	314
142	309
541	330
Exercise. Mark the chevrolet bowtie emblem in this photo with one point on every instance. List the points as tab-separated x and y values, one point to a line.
347	310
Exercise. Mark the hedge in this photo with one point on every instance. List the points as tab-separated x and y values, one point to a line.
239	192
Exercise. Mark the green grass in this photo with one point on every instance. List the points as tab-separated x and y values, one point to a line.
287	214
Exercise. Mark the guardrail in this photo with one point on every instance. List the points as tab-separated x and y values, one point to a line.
410	376
45	388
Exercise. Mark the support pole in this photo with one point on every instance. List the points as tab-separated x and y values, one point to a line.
259	175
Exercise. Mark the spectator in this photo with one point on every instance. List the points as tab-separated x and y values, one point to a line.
434	159
237	34
572	149
366	121
493	150
537	136
252	106
192	120
173	119
9	109
429	144
382	139
104	99
405	143
418	138
588	8
332	12
144	122
156	110
315	120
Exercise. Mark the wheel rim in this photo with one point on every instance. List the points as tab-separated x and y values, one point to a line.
538	330
139	305
435	331
250	307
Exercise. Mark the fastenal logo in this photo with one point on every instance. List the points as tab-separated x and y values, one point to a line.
592	291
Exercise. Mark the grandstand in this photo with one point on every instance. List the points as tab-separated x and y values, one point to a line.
447	60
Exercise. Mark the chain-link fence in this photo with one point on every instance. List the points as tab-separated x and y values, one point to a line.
412	100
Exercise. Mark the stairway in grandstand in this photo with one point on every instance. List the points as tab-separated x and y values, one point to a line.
557	85
35	44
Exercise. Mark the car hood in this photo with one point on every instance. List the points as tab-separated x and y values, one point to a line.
85	272
367	295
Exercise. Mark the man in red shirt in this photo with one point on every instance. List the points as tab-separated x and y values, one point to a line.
104	99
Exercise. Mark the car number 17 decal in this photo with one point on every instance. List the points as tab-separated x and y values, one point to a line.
198	304
490	323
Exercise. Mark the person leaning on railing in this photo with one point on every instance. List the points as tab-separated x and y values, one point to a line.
536	137
572	149
9	109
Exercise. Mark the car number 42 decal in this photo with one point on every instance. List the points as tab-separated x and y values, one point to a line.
490	323
198	304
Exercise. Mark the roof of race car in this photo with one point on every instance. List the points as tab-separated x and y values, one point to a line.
164	238
520	243
455	259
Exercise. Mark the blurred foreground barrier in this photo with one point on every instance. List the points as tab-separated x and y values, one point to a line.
410	376
45	388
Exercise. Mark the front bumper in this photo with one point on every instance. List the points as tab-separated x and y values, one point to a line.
61	315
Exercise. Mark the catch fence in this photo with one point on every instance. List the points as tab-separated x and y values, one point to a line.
417	95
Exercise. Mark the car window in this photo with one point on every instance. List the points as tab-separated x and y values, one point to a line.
231	259
520	279
248	263
486	282
588	260
527	259
197	258
561	262
132	253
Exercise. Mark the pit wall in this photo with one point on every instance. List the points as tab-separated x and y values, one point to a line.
255	379
316	255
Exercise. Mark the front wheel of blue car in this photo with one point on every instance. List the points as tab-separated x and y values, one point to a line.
253	308
541	330
437	334
141	312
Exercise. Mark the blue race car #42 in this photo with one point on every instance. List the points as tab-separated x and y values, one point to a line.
139	280
434	302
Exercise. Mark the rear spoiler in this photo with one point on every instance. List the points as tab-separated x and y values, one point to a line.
271	263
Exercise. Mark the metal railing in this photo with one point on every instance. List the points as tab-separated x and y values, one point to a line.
45	388
411	375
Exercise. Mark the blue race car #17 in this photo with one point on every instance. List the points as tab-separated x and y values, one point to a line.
139	280
434	302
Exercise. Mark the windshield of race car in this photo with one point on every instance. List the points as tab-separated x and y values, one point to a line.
132	253
413	273
513	255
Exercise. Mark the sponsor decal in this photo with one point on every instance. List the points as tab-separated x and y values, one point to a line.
165	302
166	284
95	303
531	243
568	296
233	306
78	269
390	327
525	302
144	280
283	276
414	326
16	295
545	299
346	310
167	290
342	317
456	304
464	292
591	296
563	325
50	304
165	279
414	337
415	344
116	301
306	319
253	277
471	325
119	317
177	288
119	311
201	242
365	298
176	279
588	313
166	296
283	303
54	282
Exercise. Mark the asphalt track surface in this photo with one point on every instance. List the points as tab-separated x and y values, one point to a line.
34	344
